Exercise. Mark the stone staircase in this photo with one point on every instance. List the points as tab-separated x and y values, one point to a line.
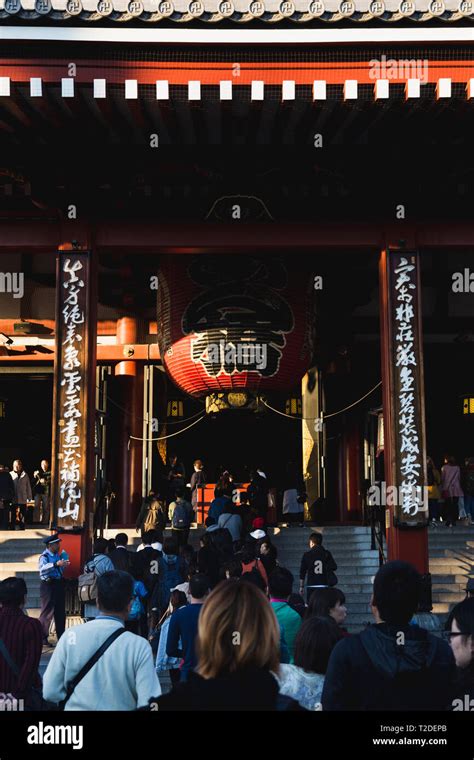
19	554
356	562
451	562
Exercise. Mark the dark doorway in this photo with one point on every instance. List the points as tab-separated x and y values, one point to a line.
25	422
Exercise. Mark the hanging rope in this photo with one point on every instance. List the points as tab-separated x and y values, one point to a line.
164	437
282	414
324	416
333	414
142	419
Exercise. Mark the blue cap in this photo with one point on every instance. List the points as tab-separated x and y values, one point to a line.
51	539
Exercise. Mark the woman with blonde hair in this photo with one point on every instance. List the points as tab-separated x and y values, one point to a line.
237	645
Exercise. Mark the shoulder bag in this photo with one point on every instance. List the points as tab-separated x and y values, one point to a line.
89	665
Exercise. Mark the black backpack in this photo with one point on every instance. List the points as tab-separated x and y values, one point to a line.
255	577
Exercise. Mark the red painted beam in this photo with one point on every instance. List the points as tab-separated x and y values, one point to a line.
211	72
153	237
105	354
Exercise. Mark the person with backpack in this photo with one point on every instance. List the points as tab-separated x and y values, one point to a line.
171	573
231	521
181	515
434	494
96	566
317	566
152	516
145	506
217	506
108	667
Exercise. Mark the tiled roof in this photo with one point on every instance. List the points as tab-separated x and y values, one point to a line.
240	11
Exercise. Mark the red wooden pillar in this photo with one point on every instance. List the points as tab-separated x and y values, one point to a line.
73	472
130	375
403	408
349	473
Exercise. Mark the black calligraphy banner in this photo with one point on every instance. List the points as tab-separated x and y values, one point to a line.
406	464
71	390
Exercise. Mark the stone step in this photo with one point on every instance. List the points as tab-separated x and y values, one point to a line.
452	597
441	607
16	567
449	587
297	553
335	538
445	561
354	589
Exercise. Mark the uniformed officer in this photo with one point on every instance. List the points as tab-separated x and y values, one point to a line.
51	568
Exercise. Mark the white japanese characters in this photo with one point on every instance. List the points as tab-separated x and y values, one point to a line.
71	358
406	369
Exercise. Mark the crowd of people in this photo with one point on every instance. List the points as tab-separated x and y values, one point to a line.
21	499
225	622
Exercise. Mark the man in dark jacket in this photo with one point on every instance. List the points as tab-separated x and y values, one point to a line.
392	665
318	565
146	563
122	559
7	494
176	477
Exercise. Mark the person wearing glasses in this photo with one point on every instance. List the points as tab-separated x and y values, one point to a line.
460	634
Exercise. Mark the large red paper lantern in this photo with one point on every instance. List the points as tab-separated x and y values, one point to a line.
232	322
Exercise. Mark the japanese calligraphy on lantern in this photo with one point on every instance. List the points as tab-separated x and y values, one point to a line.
71	331
407	391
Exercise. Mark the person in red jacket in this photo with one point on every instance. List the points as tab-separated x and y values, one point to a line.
21	644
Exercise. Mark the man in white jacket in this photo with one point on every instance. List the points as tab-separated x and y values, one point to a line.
23	493
124	677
